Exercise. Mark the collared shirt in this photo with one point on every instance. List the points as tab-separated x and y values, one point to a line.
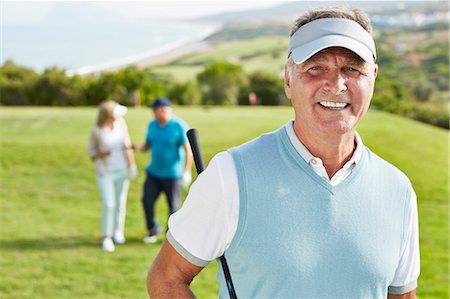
167	155
317	164
211	210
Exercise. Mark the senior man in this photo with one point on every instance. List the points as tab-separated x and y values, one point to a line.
306	211
170	165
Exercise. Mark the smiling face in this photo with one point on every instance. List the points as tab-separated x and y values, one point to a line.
331	91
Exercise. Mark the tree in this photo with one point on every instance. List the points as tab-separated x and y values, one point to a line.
268	88
107	86
53	87
16	83
220	83
151	90
128	81
422	88
391	96
93	92
99	88
186	93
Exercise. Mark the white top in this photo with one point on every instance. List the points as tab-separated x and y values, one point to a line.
114	141
205	225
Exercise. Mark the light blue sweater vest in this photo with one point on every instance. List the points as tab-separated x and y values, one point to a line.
300	237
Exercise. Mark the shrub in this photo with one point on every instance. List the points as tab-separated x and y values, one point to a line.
268	87
187	93
220	83
16	84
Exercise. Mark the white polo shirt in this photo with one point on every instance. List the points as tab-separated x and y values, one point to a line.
211	210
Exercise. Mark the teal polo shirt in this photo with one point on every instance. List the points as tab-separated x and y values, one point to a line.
167	153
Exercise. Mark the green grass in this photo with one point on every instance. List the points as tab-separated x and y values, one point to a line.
240	49
262	53
50	207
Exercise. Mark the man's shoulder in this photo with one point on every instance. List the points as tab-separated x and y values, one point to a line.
386	168
178	122
265	138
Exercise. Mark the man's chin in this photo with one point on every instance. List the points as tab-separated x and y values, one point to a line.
340	127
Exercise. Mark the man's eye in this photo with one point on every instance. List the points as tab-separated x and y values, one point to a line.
315	68
350	70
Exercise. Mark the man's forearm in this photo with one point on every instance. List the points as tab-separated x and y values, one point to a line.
161	290
187	166
189	158
141	148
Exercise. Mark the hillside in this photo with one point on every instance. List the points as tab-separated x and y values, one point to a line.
262	45
428	27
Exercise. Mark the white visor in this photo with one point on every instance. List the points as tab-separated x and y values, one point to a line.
119	111
331	32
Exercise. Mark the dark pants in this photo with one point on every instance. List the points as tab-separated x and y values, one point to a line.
152	188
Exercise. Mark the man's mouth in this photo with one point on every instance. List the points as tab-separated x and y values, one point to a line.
333	105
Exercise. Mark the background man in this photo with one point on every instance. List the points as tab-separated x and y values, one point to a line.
306	211
170	165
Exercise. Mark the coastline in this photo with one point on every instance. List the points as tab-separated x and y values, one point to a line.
173	54
162	55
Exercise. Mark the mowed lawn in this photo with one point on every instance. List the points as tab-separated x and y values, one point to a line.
50	207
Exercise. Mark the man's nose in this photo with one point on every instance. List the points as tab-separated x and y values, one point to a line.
335	82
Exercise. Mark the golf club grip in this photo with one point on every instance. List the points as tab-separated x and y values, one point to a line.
194	141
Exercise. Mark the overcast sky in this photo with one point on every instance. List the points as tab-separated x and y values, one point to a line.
26	12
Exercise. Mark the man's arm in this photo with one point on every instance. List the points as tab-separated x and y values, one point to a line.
141	148
188	150
409	295
170	275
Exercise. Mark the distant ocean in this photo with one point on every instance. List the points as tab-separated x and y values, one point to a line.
82	48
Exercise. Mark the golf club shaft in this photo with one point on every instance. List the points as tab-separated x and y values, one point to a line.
194	141
192	135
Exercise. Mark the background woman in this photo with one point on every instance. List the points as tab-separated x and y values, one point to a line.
110	148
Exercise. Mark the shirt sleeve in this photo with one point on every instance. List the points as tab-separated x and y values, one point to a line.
408	270
206	223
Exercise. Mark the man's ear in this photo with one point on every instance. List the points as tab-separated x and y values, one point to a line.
287	82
